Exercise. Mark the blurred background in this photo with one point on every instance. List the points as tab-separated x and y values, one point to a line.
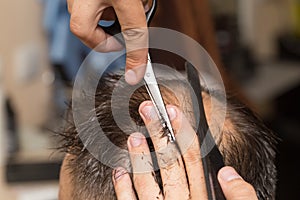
255	43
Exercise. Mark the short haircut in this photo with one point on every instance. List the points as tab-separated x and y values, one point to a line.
245	142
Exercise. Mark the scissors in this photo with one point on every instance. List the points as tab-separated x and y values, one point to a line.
149	77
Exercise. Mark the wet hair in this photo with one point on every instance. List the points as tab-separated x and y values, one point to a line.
245	142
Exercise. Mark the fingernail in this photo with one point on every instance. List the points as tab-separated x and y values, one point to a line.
130	77
149	112
136	139
172	113
119	172
228	174
133	76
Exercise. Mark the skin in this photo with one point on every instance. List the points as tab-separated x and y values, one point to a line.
65	183
176	184
85	15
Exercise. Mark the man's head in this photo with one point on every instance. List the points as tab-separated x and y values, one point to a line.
245	143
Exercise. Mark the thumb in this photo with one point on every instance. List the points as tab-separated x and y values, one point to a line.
233	185
136	61
132	18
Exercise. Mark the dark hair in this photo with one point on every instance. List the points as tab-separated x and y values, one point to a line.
245	142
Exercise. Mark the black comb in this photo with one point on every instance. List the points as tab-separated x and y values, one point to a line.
212	160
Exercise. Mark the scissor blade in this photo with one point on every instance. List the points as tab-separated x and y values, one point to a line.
155	95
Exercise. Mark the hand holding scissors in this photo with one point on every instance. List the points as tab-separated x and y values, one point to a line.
85	16
149	77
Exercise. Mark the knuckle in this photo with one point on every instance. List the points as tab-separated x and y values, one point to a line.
136	38
78	29
133	34
75	27
192	156
135	59
168	158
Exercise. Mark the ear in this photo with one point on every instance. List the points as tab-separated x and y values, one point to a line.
65	184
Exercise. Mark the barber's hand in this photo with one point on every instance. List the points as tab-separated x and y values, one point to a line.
85	15
182	178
